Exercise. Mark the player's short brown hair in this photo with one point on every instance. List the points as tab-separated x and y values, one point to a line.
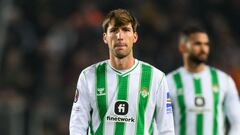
121	17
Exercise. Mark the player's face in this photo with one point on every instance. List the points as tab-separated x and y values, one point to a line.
120	40
198	47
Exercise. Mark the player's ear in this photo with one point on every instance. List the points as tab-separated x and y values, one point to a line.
135	36
182	47
105	38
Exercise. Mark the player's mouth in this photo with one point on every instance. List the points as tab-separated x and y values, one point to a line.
120	45
203	54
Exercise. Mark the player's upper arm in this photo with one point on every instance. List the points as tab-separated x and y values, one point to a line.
80	115
171	85
164	116
232	107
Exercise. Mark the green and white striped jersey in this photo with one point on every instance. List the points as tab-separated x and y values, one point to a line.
131	102
201	101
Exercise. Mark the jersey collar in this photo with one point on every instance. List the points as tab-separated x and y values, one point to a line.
123	72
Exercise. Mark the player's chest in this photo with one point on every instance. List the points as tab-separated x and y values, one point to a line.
199	95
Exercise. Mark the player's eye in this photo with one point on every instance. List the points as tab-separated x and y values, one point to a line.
197	43
207	44
113	29
126	29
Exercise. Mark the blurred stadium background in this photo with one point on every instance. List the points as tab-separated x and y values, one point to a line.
44	45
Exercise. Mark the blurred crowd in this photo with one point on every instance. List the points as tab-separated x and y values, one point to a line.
47	43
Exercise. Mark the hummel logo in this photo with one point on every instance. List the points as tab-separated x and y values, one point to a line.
101	91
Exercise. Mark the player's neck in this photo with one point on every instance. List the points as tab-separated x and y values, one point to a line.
123	63
194	68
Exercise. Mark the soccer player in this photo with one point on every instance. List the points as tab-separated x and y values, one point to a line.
202	95
122	95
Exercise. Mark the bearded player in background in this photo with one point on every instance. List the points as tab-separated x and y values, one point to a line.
202	95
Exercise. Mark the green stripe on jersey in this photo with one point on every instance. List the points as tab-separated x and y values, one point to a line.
197	86
181	103
198	96
146	78
199	125
215	89
122	95
150	131
101	95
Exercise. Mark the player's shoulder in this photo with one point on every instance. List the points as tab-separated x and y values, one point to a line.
153	67
224	79
156	71
92	68
220	72
174	72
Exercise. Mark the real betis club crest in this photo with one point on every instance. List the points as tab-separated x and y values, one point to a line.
144	92
215	88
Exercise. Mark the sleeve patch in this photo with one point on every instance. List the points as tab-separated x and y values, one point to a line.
169	103
76	96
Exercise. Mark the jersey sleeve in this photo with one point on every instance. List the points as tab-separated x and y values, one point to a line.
232	107
171	85
164	115
80	115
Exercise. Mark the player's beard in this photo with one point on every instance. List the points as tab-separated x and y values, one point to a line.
198	59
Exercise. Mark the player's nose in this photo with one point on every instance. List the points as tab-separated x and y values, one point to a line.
119	34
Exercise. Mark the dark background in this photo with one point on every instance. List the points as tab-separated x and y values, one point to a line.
44	45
